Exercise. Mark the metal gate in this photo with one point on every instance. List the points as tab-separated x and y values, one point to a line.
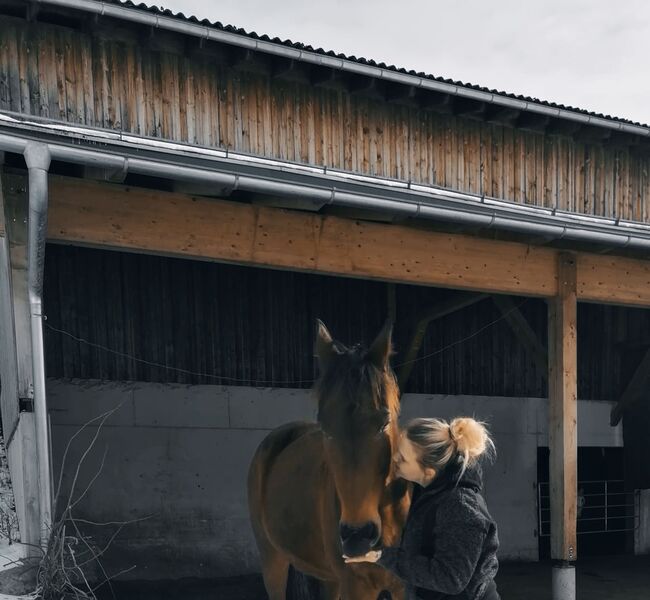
603	507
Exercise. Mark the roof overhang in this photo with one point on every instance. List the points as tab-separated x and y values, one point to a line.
312	188
152	17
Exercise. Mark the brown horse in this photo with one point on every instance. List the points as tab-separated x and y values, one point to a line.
317	491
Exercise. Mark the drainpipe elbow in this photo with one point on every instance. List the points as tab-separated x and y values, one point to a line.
37	156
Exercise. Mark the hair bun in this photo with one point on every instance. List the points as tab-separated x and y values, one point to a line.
471	437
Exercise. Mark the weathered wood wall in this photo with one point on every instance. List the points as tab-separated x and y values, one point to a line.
256	326
119	80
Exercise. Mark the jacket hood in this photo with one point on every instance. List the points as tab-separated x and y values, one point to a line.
471	478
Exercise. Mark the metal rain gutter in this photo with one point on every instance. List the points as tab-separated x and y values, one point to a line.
37	157
324	187
212	33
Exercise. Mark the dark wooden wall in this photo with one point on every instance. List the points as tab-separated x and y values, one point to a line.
636	428
256	326
164	87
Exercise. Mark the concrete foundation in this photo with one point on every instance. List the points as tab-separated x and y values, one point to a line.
177	458
563	582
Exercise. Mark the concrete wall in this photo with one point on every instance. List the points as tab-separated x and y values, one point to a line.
642	531
179	456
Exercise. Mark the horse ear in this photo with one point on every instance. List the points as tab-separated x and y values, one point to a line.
324	345
381	348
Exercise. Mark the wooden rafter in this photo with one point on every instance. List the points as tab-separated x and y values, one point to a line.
444	308
522	329
639	383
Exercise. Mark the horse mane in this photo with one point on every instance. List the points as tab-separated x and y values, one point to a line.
349	369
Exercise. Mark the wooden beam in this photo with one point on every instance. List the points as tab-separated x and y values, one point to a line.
607	279
589	134
466	107
143	220
501	115
332	79
522	329
397	93
134	219
563	127
639	383
444	308
562	390
437	102
368	87
251	61
291	70
532	122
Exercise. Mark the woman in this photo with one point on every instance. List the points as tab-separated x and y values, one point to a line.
449	543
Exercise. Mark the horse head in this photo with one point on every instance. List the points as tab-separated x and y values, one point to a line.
358	408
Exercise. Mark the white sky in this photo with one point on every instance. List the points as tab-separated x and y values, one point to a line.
591	54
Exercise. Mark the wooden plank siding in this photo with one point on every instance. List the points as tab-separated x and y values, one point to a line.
56	72
257	325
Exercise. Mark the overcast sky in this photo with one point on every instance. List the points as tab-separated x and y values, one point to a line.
592	54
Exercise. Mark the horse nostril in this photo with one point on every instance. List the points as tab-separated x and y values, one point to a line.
346	532
369	531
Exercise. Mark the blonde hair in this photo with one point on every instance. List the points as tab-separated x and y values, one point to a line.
464	440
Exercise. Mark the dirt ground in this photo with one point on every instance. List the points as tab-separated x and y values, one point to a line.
609	578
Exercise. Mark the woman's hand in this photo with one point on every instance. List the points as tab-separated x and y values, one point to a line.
372	557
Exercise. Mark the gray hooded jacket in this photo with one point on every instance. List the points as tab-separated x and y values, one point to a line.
449	542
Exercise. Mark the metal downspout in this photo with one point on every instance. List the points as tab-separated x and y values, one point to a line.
37	156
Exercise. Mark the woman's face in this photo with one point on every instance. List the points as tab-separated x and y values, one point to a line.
407	463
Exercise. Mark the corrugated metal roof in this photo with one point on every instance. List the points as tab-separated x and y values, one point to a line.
364	61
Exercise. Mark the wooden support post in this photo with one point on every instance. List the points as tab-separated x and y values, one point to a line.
562	391
522	329
15	359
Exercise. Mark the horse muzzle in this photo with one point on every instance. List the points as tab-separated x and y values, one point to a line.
357	541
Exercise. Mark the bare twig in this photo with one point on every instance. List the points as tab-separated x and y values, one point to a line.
62	570
90	484
102	418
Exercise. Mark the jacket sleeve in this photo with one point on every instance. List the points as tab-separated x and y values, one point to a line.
459	535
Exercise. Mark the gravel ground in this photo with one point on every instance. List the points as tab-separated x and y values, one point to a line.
607	578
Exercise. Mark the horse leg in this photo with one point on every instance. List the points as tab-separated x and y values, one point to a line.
275	571
358	588
331	590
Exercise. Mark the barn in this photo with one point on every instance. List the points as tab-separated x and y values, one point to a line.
180	200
